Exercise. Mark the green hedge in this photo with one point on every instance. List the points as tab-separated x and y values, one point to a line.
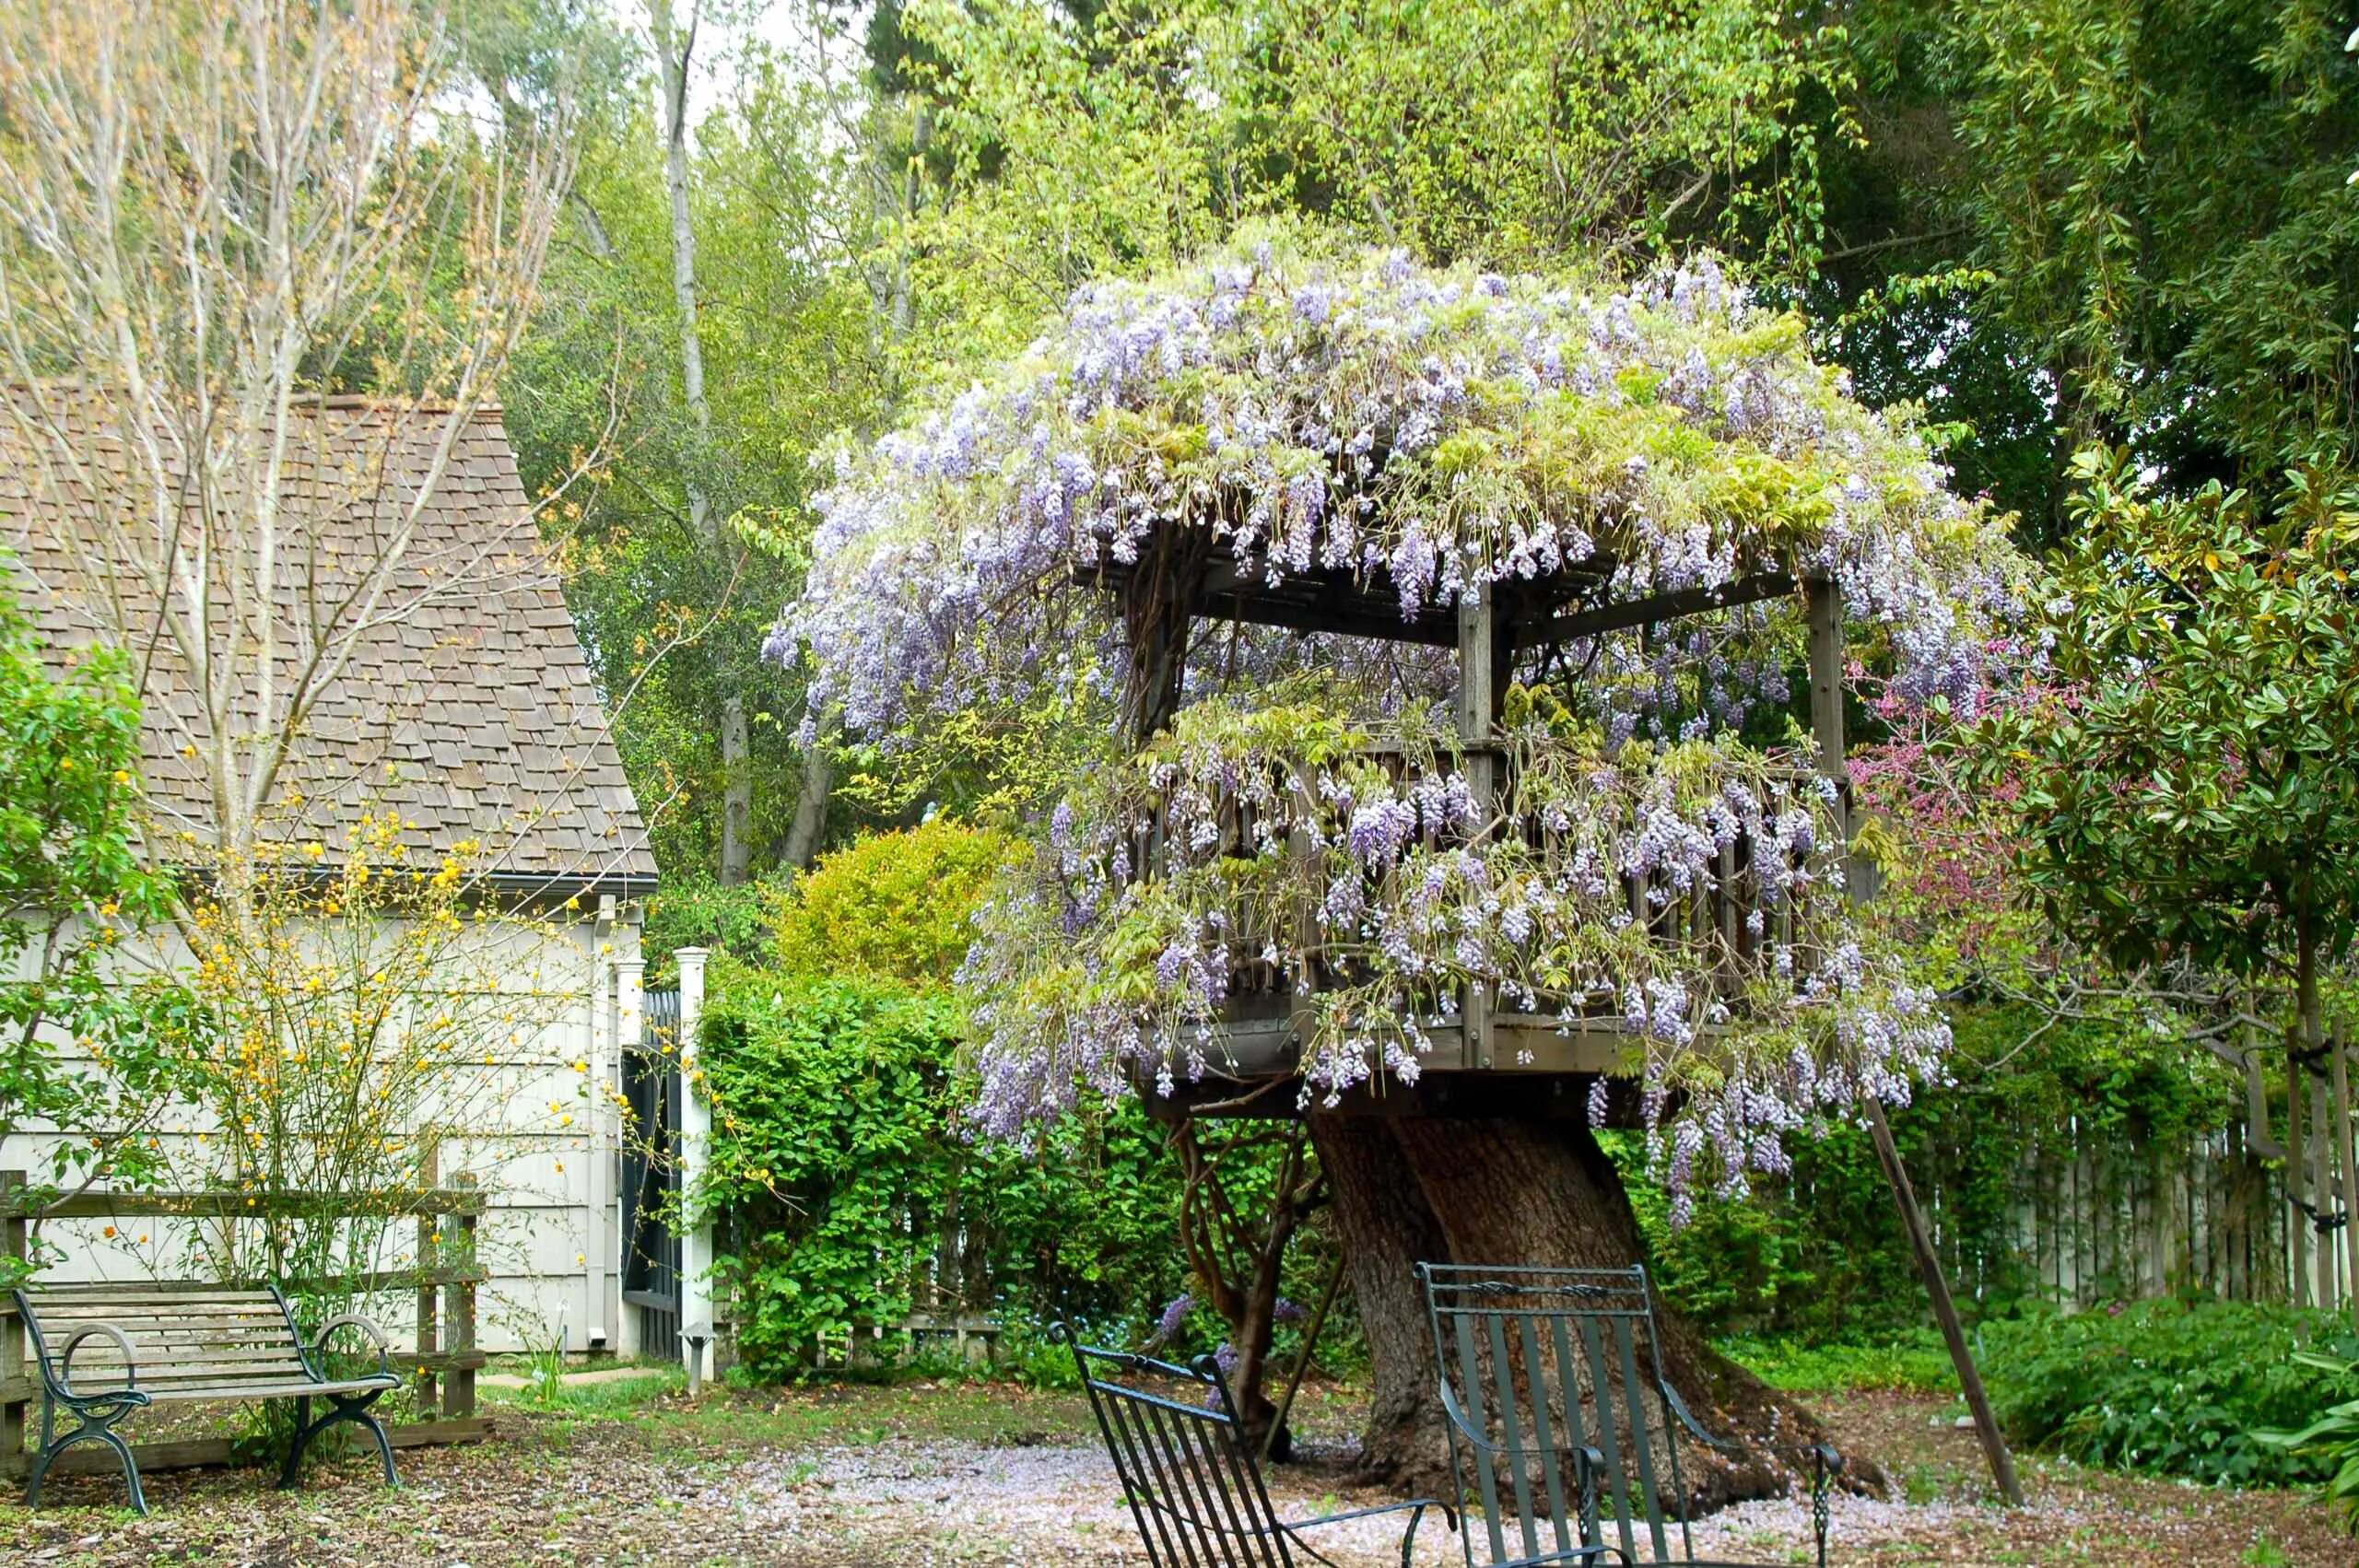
838	1153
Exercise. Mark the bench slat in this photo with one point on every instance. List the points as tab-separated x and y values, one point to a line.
164	1366
259	1311
140	1290
156	1313
278	1388
52	1325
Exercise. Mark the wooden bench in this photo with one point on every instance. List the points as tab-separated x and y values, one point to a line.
106	1350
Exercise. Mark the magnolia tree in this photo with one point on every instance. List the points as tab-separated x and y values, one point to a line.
1442	438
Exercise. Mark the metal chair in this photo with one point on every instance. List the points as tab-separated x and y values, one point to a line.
1188	1473
1547	1377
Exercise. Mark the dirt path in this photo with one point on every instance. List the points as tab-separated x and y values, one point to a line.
1001	1476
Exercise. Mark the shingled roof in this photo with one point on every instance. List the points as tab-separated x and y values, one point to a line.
467	705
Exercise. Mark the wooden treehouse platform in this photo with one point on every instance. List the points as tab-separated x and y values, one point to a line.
1485	1057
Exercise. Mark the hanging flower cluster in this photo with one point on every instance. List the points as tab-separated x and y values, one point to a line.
1362	887
1425	431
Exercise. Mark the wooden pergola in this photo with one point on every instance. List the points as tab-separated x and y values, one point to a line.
1181	581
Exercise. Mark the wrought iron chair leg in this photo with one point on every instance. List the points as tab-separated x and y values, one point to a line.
40	1460
293	1470
347	1409
89	1430
1409	1538
356	1411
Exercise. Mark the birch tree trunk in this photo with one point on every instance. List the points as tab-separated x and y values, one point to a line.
674	52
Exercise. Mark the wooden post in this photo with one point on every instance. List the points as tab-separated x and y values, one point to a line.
695	1283
459	1312
1481	672
1825	604
430	1165
2322	1195
2296	1187
15	1388
2340	1076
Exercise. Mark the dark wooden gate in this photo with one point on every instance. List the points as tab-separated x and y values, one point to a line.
651	1176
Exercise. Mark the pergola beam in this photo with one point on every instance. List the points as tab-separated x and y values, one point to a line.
1670	606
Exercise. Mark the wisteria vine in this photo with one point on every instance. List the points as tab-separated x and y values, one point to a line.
1430	430
1356	876
1427	433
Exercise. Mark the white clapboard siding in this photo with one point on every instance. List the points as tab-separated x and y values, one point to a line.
549	1236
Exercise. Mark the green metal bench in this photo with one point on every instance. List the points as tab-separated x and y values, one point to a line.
1189	1477
106	1350
1560	1422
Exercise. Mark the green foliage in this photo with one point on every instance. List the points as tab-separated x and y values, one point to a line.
837	1150
894	906
1916	1363
2186	791
2160	188
84	1040
693	910
1820	1259
2332	1438
2169	1387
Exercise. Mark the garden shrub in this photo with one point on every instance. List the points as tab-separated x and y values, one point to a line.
839	1153
2166	1386
892	906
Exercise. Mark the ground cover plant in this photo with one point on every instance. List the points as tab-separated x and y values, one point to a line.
2171	1388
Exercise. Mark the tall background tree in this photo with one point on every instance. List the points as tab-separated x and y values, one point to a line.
214	219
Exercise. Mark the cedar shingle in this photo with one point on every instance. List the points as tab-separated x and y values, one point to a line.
481	677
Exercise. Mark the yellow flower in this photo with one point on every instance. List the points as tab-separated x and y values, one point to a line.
122	776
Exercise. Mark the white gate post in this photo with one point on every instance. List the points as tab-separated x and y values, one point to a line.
630	1008
695	1133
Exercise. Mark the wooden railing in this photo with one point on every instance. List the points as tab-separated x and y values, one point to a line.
1714	916
444	1359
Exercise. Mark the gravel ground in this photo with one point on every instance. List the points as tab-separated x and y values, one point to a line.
997	1476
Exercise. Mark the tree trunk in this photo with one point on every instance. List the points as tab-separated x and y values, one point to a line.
809	828
1540	1193
1387	1229
673	50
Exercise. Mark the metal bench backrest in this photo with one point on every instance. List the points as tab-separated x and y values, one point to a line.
1567	1420
183	1338
1190	1478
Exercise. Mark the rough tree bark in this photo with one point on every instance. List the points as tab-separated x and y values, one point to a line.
809	828
1543	1193
1387	1229
673	50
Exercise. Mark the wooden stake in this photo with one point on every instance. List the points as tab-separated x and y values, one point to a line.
1825	614
2340	1078
1929	1265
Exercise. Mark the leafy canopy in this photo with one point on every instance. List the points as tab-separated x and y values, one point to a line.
2186	787
83	1037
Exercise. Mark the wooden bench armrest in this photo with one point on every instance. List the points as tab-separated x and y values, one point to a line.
130	1363
354	1320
